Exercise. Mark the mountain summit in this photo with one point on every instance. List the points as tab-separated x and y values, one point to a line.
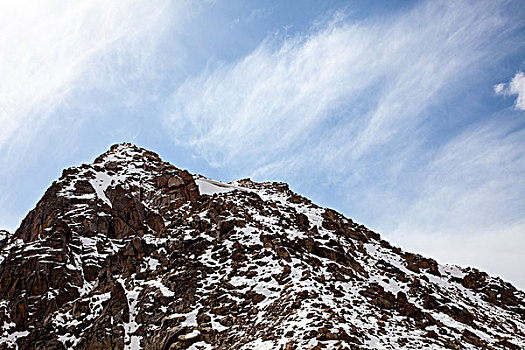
130	252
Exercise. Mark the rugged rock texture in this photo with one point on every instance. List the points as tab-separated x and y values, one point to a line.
131	252
4	237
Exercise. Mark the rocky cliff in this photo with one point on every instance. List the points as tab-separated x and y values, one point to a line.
131	252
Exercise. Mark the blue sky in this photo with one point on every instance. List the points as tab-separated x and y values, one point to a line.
407	116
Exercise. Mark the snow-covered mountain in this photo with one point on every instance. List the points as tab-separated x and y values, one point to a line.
131	252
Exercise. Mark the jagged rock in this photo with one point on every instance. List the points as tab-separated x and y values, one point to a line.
475	280
472	338
416	262
505	344
4	237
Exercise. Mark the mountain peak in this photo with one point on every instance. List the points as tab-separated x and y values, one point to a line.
131	252
126	151
124	177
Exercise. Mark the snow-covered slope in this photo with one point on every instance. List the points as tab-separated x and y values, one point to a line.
132	253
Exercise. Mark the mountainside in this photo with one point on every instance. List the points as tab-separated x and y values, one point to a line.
131	252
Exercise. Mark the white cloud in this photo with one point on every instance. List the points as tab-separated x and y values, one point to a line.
499	88
515	87
50	48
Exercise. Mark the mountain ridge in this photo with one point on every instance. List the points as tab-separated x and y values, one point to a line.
131	252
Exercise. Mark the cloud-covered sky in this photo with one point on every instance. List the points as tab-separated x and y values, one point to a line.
408	116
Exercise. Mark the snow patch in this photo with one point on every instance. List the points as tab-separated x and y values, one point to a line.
100	184
211	187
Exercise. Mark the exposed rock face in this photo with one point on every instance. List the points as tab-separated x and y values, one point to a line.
131	252
4	237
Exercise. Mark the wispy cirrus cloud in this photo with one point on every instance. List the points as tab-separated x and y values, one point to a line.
375	78
50	48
